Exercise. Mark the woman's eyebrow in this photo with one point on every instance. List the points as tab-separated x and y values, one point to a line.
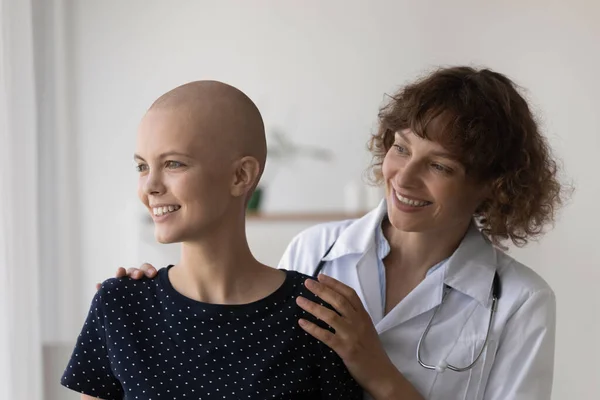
163	155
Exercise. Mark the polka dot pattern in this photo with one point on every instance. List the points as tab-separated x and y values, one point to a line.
144	340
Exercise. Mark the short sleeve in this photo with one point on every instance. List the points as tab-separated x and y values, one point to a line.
89	371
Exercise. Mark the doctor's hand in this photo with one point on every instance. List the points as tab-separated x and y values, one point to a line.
355	339
145	270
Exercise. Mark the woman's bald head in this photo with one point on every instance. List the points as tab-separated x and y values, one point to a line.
225	118
201	146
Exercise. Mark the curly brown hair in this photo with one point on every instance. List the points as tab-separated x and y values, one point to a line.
480	116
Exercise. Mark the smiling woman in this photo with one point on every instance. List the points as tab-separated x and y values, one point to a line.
218	321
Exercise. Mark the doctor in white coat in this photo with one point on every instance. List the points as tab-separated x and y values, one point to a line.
428	304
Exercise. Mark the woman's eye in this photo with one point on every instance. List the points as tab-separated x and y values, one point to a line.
173	164
141	167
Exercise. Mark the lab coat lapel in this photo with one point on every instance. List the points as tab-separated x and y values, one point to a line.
427	295
370	285
354	252
470	270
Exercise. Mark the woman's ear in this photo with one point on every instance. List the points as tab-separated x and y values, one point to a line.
246	176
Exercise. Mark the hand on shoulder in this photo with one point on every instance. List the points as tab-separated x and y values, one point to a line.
145	271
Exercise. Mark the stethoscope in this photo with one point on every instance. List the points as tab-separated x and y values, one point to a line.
443	365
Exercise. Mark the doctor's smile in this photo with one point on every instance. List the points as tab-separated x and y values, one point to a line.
412	202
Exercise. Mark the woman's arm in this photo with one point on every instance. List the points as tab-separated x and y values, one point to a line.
86	397
355	340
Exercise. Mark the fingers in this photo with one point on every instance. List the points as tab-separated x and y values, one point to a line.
135	273
345	290
98	286
146	270
319	333
331	296
149	270
332	318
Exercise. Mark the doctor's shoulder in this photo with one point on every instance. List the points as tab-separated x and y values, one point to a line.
306	249
523	288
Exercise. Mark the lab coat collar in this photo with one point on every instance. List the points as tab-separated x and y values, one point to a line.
359	236
470	270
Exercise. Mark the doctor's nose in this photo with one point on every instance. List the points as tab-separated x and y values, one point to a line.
409	176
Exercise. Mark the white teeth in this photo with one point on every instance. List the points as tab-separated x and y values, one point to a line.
158	211
410	202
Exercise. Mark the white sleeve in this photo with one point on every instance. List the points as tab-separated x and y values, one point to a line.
299	254
524	363
308	247
289	255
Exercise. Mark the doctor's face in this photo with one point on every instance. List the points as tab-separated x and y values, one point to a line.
427	190
182	181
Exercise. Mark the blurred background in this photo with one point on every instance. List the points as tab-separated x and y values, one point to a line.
77	76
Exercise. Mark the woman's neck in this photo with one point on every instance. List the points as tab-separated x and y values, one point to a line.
219	268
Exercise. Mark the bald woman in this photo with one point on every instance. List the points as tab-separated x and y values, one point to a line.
218	324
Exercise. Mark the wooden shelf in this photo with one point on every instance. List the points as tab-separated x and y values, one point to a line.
302	216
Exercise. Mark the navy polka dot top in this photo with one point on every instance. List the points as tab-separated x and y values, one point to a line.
144	340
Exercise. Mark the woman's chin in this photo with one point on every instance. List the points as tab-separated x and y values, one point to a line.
165	237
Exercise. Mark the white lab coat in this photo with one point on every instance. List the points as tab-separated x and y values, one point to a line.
519	358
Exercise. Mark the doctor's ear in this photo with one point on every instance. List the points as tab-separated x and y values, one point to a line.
246	175
485	194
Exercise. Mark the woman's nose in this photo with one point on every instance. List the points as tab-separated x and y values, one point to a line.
154	184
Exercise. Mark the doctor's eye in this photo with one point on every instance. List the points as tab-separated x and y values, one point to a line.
441	168
173	164
400	149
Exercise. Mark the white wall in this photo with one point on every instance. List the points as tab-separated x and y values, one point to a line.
319	71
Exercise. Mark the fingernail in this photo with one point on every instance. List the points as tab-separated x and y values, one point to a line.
310	283
301	300
302	322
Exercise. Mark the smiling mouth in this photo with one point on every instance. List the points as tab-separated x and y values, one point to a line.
411	202
159	211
